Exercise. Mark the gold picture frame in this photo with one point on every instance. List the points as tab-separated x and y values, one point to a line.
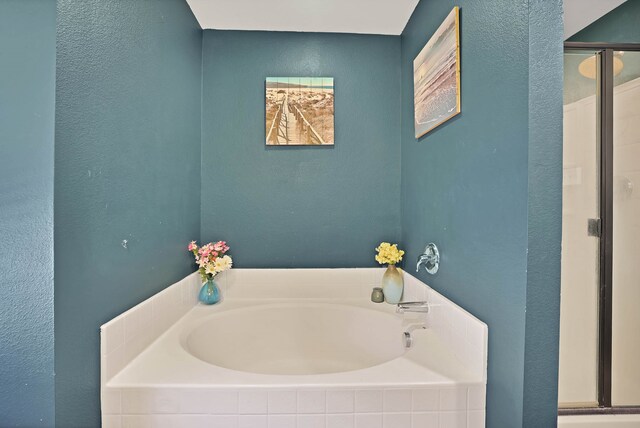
436	77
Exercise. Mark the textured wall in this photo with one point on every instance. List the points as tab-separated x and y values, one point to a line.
305	206
618	26
544	213
127	167
27	90
465	186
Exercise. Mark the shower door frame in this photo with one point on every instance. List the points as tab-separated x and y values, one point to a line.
605	53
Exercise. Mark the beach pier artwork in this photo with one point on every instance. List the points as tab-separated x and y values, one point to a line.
299	111
436	77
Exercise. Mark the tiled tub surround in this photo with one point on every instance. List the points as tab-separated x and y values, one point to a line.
150	379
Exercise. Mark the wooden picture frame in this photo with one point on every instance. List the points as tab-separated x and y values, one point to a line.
299	111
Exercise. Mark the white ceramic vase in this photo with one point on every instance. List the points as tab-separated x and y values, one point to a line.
392	284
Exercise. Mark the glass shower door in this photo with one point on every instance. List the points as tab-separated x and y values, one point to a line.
579	346
625	358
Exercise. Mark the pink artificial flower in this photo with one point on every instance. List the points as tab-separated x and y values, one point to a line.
214	254
218	246
192	246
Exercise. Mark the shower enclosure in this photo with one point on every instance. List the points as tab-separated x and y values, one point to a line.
600	306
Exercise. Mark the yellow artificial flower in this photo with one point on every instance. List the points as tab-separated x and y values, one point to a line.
388	253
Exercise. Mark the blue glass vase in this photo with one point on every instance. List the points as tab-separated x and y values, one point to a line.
209	293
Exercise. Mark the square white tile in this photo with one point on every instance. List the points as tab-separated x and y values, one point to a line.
131	324
311	402
282	421
224	421
111	404
113	335
146	317
396	420
136	421
196	401
253	421
282	402
397	400
136	402
340	401
223	402
114	362
166	421
476	398
111	421
426	400
193	421
342	420
453	398
425	420
369	400
476	419
252	402
368	420
453	420
165	401
311	421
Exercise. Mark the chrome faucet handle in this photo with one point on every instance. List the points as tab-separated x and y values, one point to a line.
422	260
430	259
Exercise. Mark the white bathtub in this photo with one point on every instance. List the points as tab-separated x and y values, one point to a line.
298	348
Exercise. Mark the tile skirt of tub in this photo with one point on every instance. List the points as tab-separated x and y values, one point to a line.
446	407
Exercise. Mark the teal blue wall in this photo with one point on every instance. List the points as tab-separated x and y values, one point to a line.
304	206
544	213
486	186
27	91
621	25
127	167
466	186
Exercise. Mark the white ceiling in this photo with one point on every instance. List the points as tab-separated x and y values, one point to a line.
325	16
580	13
350	16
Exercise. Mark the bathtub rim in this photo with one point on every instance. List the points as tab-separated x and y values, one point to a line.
398	372
359	283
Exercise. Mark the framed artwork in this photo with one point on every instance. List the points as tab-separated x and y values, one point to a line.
436	77
299	111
